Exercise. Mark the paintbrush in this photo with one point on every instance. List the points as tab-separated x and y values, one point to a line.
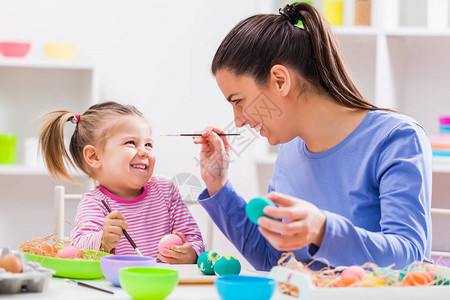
87	285
125	233
198	134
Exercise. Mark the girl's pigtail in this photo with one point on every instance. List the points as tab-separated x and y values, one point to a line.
51	142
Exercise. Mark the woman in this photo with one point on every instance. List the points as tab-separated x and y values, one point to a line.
352	182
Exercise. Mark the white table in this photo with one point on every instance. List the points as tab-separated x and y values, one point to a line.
61	290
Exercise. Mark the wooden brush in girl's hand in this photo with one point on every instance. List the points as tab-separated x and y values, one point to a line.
125	233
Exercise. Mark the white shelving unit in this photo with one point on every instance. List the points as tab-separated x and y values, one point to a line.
401	62
28	89
441	164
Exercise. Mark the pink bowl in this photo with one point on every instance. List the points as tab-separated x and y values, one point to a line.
444	120
14	49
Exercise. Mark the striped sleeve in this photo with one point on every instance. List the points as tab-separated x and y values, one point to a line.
182	221
89	223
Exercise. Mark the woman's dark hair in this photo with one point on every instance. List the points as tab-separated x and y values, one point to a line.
259	42
92	128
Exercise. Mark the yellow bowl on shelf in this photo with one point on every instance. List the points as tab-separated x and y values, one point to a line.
60	51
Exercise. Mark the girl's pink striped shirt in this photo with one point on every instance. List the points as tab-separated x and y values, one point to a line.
157	212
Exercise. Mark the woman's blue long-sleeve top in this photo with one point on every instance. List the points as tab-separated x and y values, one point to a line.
374	188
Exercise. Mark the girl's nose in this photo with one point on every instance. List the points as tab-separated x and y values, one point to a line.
142	151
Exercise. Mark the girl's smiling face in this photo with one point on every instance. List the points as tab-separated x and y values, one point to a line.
127	159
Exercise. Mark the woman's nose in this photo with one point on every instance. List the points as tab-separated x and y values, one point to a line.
239	120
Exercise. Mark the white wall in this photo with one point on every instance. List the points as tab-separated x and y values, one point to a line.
153	54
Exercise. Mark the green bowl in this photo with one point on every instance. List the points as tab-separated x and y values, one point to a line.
148	283
72	268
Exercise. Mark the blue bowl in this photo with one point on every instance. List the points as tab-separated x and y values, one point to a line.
111	265
235	287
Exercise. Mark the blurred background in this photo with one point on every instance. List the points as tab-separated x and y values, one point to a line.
156	55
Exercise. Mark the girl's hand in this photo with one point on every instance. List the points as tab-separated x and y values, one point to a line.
184	254
306	226
214	158
113	227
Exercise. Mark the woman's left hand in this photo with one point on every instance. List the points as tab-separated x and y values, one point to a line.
184	254
306	223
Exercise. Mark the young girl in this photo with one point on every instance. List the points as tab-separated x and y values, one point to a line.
112	144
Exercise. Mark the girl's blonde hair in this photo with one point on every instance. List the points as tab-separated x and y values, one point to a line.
91	128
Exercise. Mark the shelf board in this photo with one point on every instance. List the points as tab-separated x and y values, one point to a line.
45	64
393	32
27	170
441	164
356	31
21	170
417	32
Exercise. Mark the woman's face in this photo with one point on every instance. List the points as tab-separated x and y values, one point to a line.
261	108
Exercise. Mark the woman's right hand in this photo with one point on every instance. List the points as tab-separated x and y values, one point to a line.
113	228
214	158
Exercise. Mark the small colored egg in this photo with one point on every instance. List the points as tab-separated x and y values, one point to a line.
385	276
227	265
254	208
70	252
403	272
371	280
349	279
356	271
206	261
415	278
338	283
441	280
352	275
49	249
11	263
168	241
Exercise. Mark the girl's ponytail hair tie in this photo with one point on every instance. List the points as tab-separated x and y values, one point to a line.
75	119
290	13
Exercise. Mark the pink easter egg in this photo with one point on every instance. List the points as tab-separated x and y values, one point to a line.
168	241
355	271
70	252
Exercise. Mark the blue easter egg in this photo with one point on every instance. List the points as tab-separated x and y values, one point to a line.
254	209
227	265
441	280
206	261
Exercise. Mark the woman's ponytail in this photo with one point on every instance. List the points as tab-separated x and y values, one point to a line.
332	74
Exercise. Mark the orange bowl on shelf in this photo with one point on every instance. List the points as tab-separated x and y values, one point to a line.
60	51
14	49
